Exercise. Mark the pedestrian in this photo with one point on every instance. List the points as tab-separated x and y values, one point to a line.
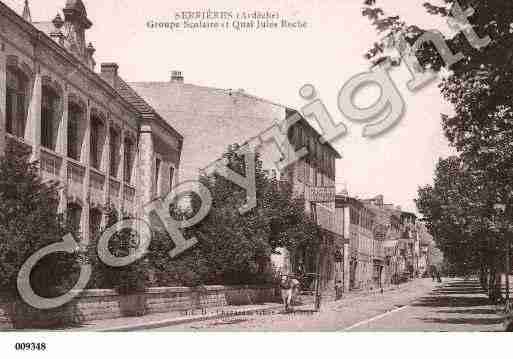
438	277
338	290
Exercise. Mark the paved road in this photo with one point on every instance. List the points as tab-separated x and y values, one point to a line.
457	306
422	305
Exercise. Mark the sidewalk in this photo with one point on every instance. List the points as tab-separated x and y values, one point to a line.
152	321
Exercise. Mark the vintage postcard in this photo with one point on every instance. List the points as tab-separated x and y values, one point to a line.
254	166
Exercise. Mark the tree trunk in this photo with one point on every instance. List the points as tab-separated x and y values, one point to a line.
494	285
483	273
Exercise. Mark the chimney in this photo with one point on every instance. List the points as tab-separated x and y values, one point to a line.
177	76
26	12
109	72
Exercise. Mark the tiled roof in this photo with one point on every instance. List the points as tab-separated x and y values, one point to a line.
131	96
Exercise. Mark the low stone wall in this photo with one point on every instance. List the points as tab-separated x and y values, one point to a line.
106	304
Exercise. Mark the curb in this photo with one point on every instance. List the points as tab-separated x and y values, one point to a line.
203	317
185	320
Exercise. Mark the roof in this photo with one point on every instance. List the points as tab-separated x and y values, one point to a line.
76	5
304	121
343	200
145	109
210	119
132	96
45	26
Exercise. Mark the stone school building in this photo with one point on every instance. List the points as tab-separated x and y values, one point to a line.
89	131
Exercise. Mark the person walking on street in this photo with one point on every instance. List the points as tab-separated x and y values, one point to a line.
438	277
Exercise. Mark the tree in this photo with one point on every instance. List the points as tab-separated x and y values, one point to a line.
130	279
28	223
454	213
460	213
234	248
478	87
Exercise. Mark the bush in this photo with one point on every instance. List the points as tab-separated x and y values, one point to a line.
28	223
130	279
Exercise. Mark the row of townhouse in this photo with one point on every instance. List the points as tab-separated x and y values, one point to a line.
384	244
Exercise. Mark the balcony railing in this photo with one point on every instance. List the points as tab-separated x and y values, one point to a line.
76	176
50	165
76	173
320	194
97	185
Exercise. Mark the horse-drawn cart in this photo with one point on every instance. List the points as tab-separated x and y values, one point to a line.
310	286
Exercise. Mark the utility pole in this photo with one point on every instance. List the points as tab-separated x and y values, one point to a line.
319	262
318	279
508	272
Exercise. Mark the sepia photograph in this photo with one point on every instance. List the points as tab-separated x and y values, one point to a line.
294	167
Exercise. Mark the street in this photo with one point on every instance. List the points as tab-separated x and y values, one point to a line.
421	305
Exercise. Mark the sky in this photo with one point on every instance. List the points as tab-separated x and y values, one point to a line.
274	64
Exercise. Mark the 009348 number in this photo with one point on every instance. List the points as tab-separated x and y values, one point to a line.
39	347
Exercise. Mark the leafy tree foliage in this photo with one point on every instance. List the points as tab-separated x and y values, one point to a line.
460	206
129	279
234	248
28	223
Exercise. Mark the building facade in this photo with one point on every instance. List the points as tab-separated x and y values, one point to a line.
313	179
387	232
104	146
411	242
358	223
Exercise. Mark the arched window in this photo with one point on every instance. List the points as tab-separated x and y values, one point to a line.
114	152
75	124
156	180
129	159
49	117
16	101
74	216
97	140
171	177
95	221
